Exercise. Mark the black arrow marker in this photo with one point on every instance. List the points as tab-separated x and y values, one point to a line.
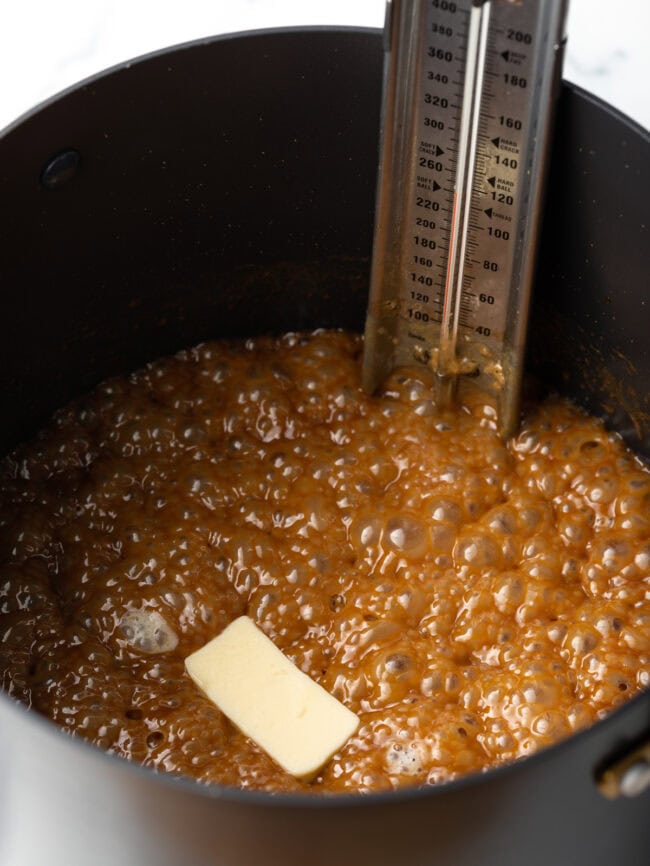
439	150
496	141
488	211
492	181
505	55
435	186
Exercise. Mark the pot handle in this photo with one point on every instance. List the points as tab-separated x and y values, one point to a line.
628	774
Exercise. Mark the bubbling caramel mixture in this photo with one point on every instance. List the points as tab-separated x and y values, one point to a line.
471	600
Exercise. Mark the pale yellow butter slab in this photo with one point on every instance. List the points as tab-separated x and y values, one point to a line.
296	721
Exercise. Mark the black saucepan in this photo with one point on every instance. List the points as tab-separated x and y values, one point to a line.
227	188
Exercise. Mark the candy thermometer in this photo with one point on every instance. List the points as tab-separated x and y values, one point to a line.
469	91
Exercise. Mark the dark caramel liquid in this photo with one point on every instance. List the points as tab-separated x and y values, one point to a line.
471	600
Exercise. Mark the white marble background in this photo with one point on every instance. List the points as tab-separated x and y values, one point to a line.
46	46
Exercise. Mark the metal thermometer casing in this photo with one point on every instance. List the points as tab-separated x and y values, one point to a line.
469	91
